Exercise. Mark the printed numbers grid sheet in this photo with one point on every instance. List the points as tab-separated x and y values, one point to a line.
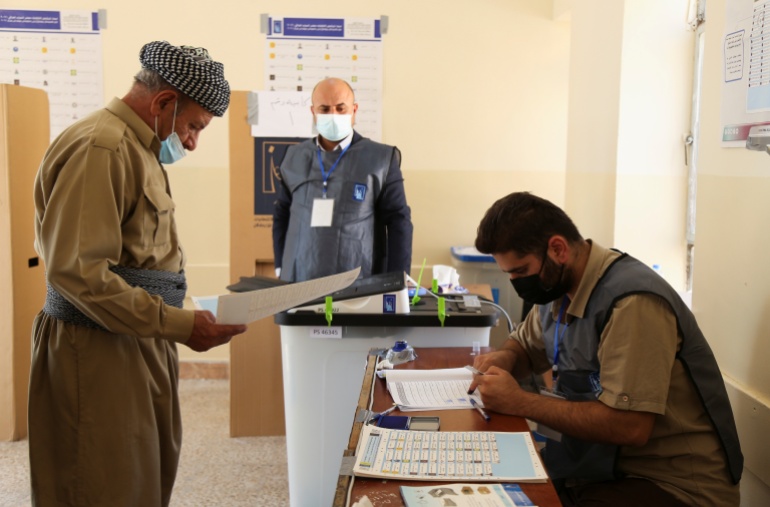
440	389
435	395
450	455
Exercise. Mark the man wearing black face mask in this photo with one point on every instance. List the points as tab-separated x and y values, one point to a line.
638	414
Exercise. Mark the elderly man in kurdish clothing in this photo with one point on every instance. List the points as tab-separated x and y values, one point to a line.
104	421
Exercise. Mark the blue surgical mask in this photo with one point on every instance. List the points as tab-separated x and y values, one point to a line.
334	127
171	148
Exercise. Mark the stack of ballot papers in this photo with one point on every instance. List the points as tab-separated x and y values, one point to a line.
442	389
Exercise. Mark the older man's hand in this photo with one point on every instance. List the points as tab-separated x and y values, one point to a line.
207	334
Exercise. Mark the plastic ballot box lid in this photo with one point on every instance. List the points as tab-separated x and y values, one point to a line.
470	254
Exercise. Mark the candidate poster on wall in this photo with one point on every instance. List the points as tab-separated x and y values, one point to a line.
268	155
59	52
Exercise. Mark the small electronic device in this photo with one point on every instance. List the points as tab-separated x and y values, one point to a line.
416	423
758	138
382	293
424	423
394	422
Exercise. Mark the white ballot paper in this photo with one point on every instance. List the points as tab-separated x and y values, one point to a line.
246	307
441	389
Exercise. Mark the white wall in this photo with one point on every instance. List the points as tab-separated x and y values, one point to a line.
594	100
654	116
630	88
627	185
731	296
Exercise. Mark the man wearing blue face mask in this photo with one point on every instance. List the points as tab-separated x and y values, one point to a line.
104	421
341	202
638	414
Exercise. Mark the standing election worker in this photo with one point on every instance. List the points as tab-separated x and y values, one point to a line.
638	414
341	202
104	421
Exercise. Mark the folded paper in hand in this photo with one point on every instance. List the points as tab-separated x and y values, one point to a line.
246	307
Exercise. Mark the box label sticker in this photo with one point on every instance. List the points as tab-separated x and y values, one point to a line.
326	332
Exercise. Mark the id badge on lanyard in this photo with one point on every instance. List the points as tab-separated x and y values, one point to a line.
557	338
323	209
553	393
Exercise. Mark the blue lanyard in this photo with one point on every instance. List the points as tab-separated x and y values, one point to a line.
334	166
557	337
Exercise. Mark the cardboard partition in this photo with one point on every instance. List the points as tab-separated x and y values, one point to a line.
256	374
24	137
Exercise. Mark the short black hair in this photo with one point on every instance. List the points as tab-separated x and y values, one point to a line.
523	223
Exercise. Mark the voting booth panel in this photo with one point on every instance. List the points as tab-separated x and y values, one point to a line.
256	385
24	137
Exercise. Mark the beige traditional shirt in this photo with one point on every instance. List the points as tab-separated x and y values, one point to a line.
107	202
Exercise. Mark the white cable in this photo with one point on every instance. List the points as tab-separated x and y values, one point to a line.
482	301
371	389
350	489
511	328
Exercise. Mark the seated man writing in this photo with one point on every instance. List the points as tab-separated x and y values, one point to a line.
638	411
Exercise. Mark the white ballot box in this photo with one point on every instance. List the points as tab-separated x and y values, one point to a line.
323	369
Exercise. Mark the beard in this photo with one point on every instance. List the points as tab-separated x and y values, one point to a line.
557	278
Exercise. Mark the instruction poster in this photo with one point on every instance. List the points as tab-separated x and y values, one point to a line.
746	69
59	52
299	52
268	155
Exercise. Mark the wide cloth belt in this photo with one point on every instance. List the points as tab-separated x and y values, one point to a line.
172	287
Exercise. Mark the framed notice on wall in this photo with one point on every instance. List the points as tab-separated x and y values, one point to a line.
745	70
59	52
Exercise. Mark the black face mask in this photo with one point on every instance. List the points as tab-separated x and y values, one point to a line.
531	289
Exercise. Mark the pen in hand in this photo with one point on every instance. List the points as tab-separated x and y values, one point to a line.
481	411
475	372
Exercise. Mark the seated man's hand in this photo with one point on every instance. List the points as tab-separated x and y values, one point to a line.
501	358
207	334
504	359
498	390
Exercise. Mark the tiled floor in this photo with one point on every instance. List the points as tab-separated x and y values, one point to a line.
214	469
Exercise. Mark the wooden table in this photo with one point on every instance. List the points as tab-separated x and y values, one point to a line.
381	491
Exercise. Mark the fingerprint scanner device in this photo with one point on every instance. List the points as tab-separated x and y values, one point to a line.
758	138
385	293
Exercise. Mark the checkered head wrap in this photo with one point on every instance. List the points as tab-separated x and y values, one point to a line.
190	70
